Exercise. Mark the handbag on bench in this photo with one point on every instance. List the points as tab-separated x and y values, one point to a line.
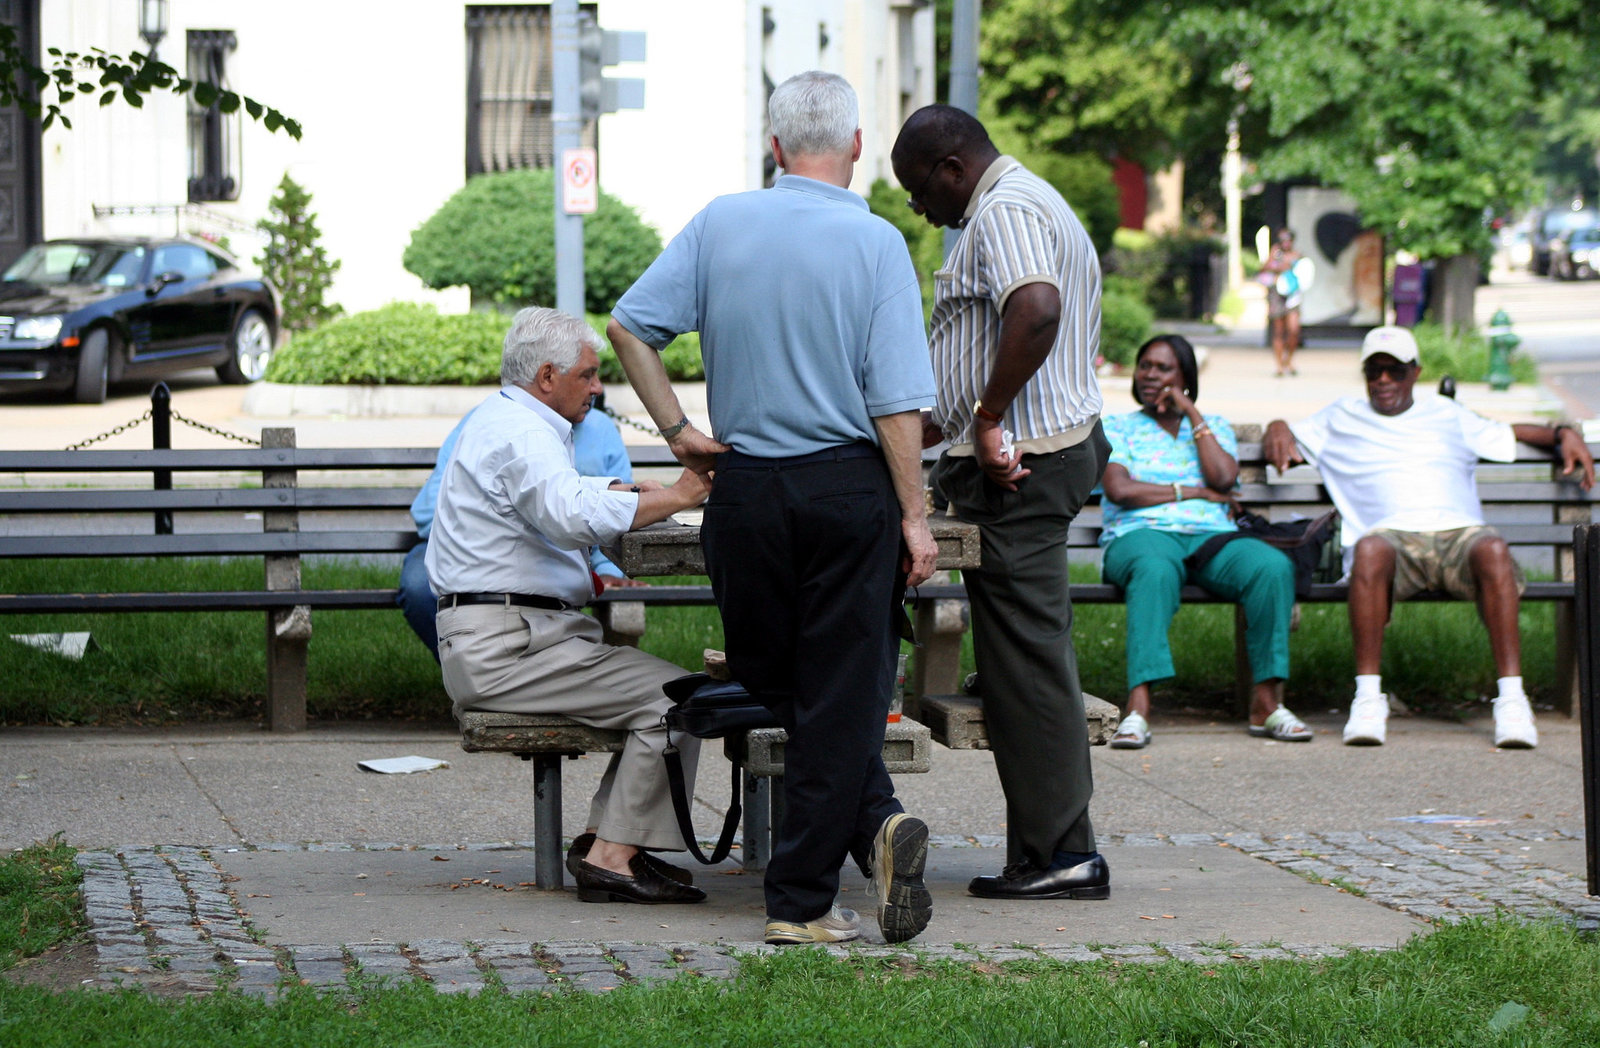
708	708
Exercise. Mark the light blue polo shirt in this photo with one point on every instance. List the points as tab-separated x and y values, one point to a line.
809	314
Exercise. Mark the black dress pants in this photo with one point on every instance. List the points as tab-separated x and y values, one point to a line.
804	562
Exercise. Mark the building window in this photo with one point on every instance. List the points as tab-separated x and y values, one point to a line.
213	134
509	91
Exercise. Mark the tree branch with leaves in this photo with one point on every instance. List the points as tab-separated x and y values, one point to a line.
41	91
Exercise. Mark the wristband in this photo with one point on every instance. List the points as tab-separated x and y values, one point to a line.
1177	492
984	413
668	432
1555	434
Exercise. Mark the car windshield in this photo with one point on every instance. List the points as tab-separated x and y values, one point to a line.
60	262
1557	222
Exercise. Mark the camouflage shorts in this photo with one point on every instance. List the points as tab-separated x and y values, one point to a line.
1436	561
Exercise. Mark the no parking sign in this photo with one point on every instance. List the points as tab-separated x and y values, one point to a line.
580	182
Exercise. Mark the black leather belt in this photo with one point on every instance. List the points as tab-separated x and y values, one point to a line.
739	460
521	600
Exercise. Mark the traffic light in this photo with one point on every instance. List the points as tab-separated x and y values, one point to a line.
598	48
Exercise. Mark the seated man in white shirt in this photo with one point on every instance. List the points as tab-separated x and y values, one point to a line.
508	556
1401	473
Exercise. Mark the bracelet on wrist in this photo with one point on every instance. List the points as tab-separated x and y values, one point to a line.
1177	492
668	432
1555	433
984	413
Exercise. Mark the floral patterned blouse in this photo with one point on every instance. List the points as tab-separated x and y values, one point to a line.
1150	454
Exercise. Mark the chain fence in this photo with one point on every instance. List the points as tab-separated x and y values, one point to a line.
135	423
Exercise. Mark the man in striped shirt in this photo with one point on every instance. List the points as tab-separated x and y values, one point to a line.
1015	331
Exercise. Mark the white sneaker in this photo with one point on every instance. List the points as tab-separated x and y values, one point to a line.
1513	724
1369	721
837	925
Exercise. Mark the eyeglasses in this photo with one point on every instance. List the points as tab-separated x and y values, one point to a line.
912	201
1396	372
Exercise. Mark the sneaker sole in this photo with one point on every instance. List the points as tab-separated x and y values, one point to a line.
802	935
905	906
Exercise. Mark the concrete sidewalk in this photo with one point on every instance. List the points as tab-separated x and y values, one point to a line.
228	853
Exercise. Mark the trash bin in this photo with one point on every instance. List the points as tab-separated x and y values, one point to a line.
1409	287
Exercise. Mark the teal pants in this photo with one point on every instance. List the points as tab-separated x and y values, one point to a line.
1148	566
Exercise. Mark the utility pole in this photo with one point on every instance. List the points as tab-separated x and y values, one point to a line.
566	125
963	72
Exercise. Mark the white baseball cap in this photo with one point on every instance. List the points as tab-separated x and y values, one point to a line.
1398	342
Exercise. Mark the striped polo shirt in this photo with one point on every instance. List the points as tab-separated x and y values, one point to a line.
1017	231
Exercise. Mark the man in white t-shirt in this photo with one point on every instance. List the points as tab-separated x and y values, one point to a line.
1401	473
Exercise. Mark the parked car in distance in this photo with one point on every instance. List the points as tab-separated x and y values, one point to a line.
1575	255
78	315
1550	225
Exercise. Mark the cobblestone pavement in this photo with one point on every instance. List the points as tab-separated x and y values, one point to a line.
165	915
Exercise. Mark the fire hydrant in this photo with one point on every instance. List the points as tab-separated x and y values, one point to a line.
1502	340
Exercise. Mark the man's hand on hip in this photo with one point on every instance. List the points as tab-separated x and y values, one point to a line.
696	450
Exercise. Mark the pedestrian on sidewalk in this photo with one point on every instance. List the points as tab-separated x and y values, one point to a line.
1287	275
810	321
1016	328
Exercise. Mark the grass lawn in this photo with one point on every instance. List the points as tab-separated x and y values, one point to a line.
194	666
1496	983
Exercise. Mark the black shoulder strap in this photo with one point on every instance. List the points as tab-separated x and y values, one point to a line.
680	805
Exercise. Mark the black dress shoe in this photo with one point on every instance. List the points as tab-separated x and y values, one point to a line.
1090	879
584	841
596	884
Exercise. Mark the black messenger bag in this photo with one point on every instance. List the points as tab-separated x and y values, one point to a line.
708	709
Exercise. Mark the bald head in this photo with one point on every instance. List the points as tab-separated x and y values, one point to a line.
939	131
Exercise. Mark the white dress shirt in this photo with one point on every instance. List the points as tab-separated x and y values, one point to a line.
514	516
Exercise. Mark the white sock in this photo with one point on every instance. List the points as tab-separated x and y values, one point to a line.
1511	688
1369	686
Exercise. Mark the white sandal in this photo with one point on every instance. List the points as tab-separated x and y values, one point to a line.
1132	734
1282	726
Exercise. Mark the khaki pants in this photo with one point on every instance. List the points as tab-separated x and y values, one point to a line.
508	659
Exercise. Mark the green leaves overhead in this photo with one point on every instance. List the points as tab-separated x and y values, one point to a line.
42	92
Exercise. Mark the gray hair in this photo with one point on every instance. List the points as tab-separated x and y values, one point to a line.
814	114
541	336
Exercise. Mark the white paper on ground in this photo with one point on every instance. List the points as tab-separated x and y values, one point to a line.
401	765
67	645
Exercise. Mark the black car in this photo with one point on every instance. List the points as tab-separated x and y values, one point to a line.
1576	254
76	315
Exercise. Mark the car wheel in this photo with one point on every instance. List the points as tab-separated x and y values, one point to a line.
250	349
90	385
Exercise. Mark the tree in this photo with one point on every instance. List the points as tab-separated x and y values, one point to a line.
1420	111
1068	79
293	259
496	235
69	74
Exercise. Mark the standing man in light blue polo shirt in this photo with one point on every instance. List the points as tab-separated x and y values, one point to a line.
817	369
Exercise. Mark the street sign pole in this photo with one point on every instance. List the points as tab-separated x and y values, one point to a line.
566	122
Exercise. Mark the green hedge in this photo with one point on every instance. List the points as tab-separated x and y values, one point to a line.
409	344
1464	356
402	344
1124	322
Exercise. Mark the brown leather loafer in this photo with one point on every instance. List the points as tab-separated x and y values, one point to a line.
596	884
1087	880
584	841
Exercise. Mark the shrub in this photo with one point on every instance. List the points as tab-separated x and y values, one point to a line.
1124	324
404	343
681	358
925	242
1464	355
1159	266
496	235
294	261
409	344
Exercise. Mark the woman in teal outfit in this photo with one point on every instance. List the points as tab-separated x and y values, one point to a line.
1169	488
